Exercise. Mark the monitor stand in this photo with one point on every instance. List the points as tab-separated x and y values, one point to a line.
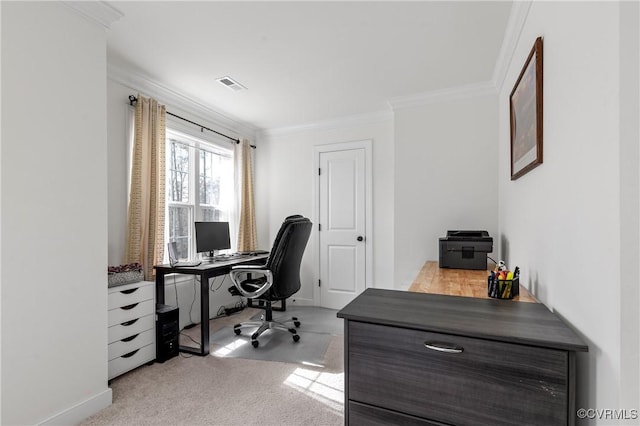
210	256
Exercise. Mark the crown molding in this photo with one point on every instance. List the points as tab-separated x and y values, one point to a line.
96	11
517	19
338	123
443	95
173	99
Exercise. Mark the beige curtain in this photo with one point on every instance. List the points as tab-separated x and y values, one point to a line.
145	231
247	235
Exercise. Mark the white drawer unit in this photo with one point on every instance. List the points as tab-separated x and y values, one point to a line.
131	319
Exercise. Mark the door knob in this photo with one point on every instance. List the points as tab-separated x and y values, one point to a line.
360	238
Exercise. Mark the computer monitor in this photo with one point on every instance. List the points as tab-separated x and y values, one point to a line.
211	237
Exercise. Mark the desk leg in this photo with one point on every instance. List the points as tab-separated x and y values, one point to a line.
204	320
159	287
204	314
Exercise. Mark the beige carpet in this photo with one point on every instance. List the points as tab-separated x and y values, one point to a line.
193	390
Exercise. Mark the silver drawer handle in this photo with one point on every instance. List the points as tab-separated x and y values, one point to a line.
443	347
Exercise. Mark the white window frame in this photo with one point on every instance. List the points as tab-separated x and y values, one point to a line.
196	144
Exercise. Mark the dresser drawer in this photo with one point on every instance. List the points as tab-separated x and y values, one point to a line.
131	343
487	383
130	312
361	414
129	328
130	294
131	360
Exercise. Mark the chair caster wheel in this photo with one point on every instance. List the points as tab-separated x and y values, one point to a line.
255	343
296	337
296	323
237	331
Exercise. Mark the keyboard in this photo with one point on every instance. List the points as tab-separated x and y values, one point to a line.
186	264
253	253
229	257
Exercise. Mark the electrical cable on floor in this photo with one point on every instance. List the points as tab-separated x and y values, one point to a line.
193	323
190	338
175	287
213	282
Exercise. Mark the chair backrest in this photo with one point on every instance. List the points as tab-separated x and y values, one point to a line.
286	256
276	240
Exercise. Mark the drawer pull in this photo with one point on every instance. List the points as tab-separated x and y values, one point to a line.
130	338
126	308
131	290
128	323
444	347
130	354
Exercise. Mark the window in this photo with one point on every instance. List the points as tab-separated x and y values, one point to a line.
199	188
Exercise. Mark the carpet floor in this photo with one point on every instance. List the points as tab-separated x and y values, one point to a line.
218	390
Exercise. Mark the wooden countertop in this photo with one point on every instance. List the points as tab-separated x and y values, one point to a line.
458	282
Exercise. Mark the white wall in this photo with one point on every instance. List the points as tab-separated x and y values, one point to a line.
629	203
1	259
118	168
445	177
285	177
54	220
563	221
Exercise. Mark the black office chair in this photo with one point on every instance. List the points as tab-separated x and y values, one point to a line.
276	280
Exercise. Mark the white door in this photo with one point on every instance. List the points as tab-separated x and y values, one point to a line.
342	230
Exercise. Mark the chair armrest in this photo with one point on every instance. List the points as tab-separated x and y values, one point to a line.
252	269
248	267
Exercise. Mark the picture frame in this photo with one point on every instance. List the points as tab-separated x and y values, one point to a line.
525	106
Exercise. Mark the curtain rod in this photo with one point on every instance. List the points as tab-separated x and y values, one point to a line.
133	100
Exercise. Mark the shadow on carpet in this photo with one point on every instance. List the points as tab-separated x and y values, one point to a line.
317	327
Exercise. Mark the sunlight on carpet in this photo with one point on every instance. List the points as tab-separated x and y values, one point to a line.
327	388
229	348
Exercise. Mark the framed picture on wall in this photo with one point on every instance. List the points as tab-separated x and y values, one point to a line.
526	115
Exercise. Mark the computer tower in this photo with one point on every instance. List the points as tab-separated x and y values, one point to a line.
167	332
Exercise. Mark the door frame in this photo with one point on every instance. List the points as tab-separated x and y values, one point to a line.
367	145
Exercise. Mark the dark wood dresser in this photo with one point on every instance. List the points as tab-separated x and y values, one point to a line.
431	359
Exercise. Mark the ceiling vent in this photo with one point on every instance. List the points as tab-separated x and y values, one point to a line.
230	83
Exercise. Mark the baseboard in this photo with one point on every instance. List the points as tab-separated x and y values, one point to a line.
297	301
81	411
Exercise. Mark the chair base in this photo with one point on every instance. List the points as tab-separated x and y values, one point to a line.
264	325
282	308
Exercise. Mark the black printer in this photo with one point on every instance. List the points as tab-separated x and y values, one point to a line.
465	249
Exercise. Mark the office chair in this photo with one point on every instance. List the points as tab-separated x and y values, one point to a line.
278	278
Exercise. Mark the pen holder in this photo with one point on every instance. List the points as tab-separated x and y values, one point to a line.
503	289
